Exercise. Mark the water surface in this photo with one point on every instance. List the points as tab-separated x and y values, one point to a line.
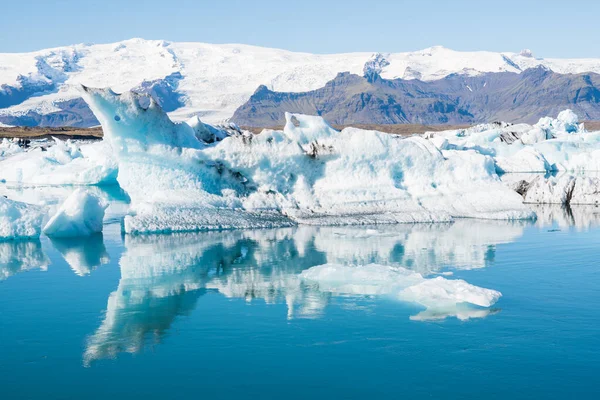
224	314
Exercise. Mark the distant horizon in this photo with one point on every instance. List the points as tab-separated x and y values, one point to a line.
549	28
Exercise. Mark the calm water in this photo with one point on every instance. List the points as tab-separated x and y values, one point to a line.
222	315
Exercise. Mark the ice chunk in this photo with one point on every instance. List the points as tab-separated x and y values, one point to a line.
80	215
64	163
565	189
206	133
9	148
19	220
434	294
305	128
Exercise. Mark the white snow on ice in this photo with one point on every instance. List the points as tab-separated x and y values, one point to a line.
65	163
19	220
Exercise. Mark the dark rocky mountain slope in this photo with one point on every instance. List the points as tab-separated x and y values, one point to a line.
456	99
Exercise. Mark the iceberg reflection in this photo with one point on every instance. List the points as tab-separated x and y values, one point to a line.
19	256
580	217
162	276
83	254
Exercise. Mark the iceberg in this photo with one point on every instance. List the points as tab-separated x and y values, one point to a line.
8	148
560	148
553	144
19	220
81	214
64	163
179	179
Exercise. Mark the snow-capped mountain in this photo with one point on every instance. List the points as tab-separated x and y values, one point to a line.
214	80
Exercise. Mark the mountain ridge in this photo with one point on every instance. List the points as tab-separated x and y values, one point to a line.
456	99
212	81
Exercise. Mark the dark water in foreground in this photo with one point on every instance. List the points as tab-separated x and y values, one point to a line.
223	315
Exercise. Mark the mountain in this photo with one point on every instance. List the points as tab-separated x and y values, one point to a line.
455	99
212	81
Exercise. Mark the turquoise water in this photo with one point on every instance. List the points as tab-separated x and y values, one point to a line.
223	315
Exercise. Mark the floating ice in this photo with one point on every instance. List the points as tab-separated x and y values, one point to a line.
80	215
64	163
438	295
307	173
560	144
565	189
9	148
19	220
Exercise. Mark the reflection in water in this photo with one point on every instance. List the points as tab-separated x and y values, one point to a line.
18	256
580	217
83	254
162	276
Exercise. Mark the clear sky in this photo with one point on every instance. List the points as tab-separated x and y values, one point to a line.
550	28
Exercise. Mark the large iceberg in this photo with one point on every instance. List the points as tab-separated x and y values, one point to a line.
308	173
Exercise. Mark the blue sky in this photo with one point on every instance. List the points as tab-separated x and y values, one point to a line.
550	28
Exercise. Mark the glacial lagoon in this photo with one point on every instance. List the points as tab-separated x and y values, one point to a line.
225	314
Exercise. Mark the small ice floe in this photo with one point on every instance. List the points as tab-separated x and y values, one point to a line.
81	214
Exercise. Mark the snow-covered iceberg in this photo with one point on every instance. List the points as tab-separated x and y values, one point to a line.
19	220
307	173
552	146
81	214
64	163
